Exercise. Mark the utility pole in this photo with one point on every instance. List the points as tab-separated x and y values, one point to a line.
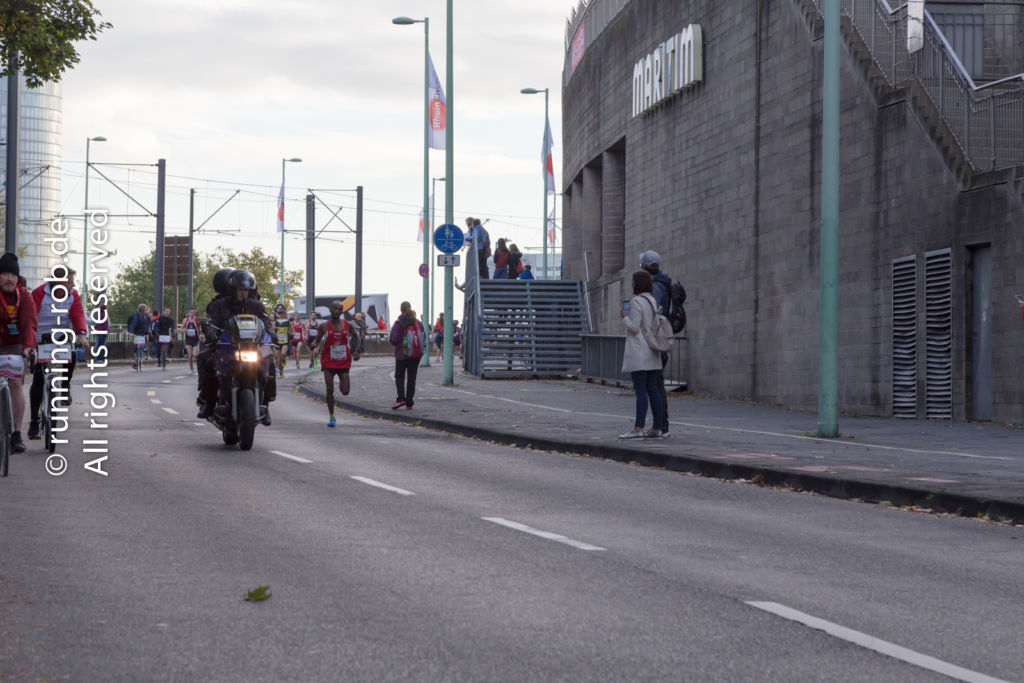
13	111
448	374
158	275
191	242
828	375
359	249
310	252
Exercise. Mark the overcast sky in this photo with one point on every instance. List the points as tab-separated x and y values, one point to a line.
224	89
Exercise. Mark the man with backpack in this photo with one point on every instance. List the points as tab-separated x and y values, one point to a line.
650	261
482	241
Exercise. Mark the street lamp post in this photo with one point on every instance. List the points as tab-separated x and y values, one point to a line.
544	174
293	160
406	21
85	220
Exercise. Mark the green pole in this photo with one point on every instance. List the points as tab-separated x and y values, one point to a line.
448	378
425	313
280	299
828	376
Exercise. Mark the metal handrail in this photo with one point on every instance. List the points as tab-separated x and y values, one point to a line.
990	128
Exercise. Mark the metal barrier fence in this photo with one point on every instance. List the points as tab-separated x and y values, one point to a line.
986	121
602	360
592	19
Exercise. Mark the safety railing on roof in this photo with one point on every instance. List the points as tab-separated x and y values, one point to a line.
587	22
986	121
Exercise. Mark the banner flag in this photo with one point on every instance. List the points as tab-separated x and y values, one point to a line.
419	235
549	166
551	228
436	110
280	209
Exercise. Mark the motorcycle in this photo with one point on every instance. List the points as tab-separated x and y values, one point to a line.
240	363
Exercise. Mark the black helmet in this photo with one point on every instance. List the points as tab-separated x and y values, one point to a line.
220	280
241	279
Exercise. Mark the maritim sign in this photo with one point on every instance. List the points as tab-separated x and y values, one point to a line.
674	65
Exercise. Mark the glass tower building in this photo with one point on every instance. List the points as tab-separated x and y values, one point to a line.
38	173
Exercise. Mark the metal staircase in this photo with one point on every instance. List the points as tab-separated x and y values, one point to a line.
523	328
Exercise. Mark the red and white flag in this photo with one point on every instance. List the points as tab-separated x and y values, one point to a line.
549	165
419	235
436	110
551	228
280	209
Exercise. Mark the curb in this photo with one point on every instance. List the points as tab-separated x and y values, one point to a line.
838	486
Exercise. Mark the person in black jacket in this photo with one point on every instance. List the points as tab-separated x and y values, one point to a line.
163	328
207	379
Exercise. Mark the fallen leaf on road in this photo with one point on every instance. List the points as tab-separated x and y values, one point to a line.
259	593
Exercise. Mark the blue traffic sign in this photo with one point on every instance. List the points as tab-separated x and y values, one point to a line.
448	238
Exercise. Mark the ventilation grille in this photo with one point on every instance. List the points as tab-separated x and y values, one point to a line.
904	337
938	295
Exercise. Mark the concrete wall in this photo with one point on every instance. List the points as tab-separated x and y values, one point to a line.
724	182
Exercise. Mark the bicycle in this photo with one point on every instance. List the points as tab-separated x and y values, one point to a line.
140	351
7	428
44	356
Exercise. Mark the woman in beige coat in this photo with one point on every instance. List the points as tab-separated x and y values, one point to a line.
639	359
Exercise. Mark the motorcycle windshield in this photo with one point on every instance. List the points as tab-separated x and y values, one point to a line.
247	326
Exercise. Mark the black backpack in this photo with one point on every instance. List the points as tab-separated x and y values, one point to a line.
677	313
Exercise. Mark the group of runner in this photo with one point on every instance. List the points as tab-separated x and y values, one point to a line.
292	337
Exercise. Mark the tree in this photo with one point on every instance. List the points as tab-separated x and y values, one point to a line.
134	284
42	34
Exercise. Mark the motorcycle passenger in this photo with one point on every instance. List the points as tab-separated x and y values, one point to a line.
241	284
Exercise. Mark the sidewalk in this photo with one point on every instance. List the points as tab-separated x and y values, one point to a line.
970	469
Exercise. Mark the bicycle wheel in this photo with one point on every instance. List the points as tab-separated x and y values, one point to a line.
8	427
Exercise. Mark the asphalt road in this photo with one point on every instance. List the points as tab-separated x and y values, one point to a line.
398	553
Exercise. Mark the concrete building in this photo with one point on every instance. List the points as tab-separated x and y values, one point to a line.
39	152
694	128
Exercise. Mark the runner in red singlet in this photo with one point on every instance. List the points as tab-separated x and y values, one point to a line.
336	345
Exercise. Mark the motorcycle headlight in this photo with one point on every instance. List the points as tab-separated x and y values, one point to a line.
248	356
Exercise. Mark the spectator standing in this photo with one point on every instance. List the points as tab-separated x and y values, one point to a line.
515	262
438	335
480	243
501	260
639	359
361	329
527	273
18	319
661	285
409	338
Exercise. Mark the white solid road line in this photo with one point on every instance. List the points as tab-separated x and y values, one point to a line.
543	534
172	411
393	489
291	457
881	646
155	401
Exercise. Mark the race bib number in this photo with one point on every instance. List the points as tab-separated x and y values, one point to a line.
339	352
44	352
297	336
190	332
165	339
12	367
282	338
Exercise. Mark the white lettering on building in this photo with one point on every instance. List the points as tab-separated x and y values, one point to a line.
672	66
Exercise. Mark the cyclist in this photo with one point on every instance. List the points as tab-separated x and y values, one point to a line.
240	285
279	335
49	321
297	342
311	329
191	327
207	378
17	337
337	348
164	330
139	326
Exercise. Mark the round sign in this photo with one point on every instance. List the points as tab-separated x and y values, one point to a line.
424	270
448	238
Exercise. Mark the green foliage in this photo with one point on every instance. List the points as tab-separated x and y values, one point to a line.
134	284
259	593
44	33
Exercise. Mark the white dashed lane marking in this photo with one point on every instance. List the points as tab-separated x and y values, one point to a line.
155	401
386	487
558	538
172	411
291	457
150	393
877	645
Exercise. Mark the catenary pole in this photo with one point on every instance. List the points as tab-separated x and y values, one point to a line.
11	170
448	375
158	276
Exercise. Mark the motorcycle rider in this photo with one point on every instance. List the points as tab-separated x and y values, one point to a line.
240	286
207	378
